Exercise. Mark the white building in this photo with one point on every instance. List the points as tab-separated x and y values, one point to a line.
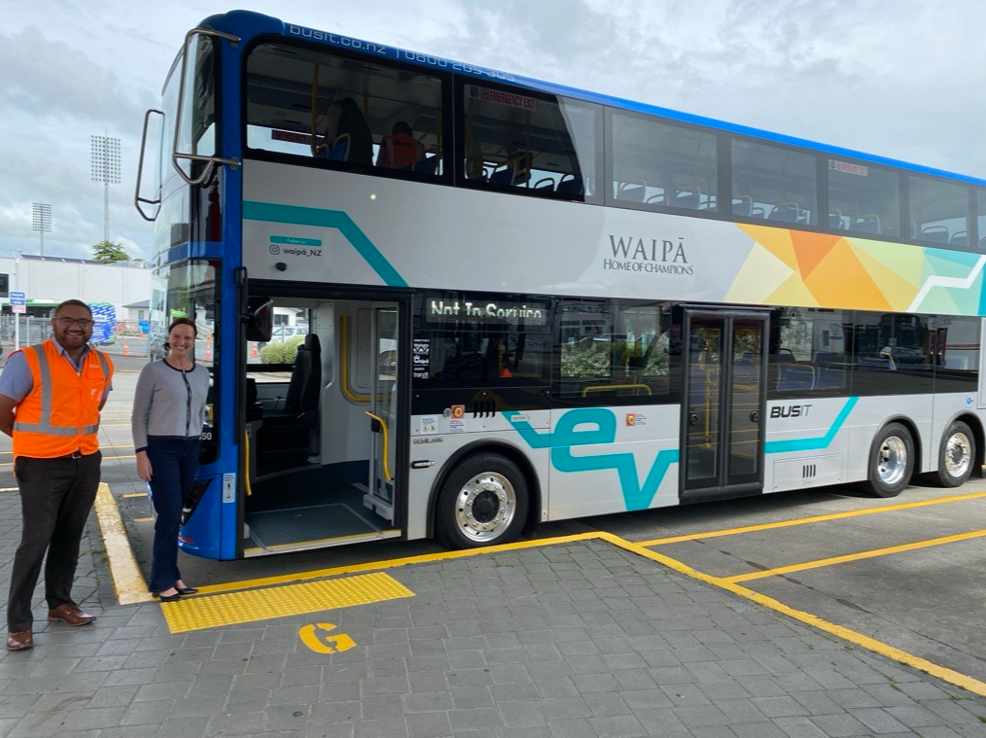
48	280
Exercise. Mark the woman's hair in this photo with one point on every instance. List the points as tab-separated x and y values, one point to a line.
180	321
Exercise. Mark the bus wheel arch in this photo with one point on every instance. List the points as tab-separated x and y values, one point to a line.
893	459
486	495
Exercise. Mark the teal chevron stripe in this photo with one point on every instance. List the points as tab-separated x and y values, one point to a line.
294	215
575	428
813	444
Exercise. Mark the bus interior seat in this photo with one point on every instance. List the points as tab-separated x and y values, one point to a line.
292	426
504	176
428	165
657	199
687	197
632	191
867	224
913	230
877	363
546	184
936	233
570	184
339	151
787	212
835	219
959	238
796	378
743	206
514	171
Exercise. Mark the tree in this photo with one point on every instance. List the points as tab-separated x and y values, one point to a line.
107	252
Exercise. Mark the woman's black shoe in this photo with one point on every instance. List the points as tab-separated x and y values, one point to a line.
186	590
168	598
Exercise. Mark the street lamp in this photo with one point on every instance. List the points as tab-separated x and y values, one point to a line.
106	169
42	221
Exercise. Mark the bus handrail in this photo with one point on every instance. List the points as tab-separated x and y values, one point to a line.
210	161
609	387
386	443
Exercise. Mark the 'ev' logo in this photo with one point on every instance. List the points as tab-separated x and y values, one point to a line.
790	411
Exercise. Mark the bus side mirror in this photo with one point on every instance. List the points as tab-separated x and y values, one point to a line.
259	319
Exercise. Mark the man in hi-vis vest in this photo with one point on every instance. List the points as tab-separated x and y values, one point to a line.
50	398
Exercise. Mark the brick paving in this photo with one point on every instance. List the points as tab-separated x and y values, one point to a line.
562	641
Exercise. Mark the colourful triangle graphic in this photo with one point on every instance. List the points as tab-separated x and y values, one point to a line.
811	249
841	281
775	240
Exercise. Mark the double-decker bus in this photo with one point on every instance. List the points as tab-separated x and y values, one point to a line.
504	301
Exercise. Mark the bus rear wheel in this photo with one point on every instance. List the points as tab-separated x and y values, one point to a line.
956	455
482	502
891	461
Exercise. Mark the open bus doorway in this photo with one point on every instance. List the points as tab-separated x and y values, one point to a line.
322	429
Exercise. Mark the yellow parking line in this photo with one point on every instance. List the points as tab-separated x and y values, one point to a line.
855	557
803	521
134	589
939	672
130	585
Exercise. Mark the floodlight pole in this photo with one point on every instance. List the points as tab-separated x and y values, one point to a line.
106	169
17	316
42	221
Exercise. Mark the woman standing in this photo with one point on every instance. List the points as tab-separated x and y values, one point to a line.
168	414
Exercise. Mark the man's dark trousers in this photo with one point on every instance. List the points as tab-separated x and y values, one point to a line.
56	497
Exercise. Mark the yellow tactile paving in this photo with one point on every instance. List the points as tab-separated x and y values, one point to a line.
196	613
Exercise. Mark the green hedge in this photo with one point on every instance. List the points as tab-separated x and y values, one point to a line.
281	353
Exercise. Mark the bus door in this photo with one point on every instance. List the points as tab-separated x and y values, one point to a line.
724	404
381	322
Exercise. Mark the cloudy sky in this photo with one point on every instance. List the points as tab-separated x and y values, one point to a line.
899	78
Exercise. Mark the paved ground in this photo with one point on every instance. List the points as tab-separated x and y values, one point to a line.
572	639
563	639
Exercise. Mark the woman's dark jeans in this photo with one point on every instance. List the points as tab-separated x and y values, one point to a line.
173	465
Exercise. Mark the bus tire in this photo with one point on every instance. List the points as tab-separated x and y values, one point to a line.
483	502
956	456
891	461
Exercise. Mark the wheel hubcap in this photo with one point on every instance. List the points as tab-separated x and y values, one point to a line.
892	463
958	453
485	507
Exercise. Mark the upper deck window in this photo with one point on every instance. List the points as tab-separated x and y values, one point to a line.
526	140
775	183
659	164
939	211
362	113
863	198
981	219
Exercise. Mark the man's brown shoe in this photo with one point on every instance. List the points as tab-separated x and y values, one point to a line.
70	614
20	640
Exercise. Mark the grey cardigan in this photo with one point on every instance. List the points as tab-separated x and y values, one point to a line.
165	404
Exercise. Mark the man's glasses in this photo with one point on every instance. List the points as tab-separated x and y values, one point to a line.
81	322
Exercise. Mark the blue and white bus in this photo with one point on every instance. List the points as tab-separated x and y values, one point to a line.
507	301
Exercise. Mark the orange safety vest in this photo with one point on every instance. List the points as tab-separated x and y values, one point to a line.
400	151
61	413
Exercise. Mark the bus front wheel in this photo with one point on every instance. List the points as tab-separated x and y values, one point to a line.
956	455
891	461
482	502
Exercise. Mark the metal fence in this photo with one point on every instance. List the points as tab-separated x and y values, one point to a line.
32	330
126	340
